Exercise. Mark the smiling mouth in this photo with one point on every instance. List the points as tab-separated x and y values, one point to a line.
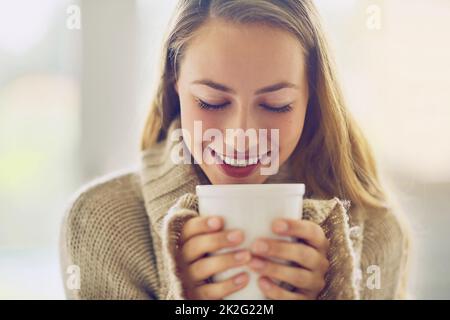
238	163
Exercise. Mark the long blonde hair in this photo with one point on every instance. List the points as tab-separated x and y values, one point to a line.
332	158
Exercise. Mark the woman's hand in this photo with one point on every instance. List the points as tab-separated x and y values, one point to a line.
199	237
309	255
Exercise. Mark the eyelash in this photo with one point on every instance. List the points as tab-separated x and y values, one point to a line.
207	106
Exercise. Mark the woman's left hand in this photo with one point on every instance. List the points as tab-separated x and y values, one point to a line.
309	256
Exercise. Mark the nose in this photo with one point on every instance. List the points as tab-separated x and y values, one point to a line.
244	137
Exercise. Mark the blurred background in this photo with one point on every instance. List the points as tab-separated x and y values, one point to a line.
76	78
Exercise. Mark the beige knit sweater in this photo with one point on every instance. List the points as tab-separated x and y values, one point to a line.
121	232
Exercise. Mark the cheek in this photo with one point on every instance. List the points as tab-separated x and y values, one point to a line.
194	122
190	112
290	133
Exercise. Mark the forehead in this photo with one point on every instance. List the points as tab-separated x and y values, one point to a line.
244	55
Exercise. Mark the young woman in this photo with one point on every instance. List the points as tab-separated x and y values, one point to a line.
241	65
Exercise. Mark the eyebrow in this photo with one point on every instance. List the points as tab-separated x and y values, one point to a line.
221	87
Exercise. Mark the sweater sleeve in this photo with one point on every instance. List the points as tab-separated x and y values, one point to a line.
384	257
186	207
106	251
368	259
341	280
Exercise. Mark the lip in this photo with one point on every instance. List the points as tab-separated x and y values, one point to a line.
234	171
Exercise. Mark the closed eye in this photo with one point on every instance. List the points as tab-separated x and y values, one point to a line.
209	106
282	109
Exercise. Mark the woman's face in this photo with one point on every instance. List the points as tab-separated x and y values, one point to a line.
248	77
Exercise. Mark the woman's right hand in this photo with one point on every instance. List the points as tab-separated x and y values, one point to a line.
201	236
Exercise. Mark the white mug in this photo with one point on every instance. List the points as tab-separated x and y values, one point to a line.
252	208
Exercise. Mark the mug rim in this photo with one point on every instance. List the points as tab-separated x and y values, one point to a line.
279	189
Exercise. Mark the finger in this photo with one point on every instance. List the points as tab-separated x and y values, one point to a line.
305	230
207	267
272	291
298	277
199	245
300	253
219	290
200	225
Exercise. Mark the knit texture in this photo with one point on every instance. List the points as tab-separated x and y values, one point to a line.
122	232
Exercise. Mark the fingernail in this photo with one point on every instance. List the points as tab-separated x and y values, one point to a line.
280	226
265	284
240	279
234	236
260	246
242	256
213	223
257	263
